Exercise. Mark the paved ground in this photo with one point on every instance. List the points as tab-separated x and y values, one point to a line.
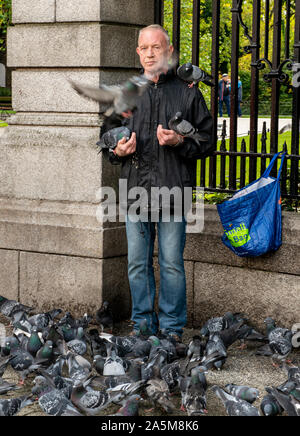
241	367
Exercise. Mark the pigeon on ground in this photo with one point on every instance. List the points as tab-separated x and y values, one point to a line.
42	320
78	344
215	344
24	363
170	373
193	392
130	407
243	392
293	381
113	364
104	315
192	74
280	340
235	406
51	400
45	353
6	386
152	367
158	393
287	402
196	349
270	406
12	406
121	98
79	368
34	342
9	308
88	400
213	325
184	128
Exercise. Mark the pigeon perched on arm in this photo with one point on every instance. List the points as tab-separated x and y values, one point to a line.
121	98
192	74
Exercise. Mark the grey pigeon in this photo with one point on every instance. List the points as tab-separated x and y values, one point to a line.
270	406
213	325
184	128
113	364
12	406
235	406
196	349
42	320
280	340
193	392
34	342
88	400
130	407
170	373
9	308
6	386
78	345
79	367
121	98
158	393
287	402
51	400
104	315
243	392
192	74
215	344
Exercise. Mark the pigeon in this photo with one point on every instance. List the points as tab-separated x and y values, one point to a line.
215	344
24	363
193	392
235	406
34	342
79	367
186	129
144	331
2	336
6	386
9	308
270	406
196	349
243	392
293	381
158	393
170	373
78	345
280	340
45	353
109	140
98	363
152	368
121	98
192	74
130	407
12	406
213	325
104	315
113	364
287	402
51	400
42	320
88	400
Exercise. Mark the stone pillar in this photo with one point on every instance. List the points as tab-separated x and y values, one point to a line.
53	251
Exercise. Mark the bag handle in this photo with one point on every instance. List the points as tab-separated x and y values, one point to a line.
270	167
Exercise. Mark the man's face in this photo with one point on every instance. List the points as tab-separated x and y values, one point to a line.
154	52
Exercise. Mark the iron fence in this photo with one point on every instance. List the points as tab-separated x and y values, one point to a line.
236	163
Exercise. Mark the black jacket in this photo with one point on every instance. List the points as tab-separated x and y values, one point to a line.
153	165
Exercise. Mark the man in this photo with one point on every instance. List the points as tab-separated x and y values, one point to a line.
224	94
156	156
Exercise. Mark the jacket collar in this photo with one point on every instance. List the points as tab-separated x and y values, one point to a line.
163	76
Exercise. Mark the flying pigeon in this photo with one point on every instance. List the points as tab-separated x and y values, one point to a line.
235	406
186	129
121	98
192	74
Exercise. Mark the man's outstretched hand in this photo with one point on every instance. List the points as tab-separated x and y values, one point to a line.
124	147
168	137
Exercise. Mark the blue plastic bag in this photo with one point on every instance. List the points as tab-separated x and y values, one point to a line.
252	217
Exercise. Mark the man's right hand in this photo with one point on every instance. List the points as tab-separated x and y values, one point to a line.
124	147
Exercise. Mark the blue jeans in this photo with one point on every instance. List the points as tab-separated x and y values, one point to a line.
172	292
226	100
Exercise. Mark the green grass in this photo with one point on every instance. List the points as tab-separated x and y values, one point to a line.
286	137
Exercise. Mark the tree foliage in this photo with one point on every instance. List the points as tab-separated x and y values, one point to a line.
5	20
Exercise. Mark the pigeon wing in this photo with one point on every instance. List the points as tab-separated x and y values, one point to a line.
103	94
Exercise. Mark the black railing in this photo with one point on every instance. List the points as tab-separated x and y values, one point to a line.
236	163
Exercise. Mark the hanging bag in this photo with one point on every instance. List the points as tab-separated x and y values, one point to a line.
252	217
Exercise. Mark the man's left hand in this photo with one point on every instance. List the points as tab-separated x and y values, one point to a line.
168	137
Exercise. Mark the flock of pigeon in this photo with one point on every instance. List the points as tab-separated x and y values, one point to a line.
80	370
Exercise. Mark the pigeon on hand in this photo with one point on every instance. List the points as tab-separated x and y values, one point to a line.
122	98
193	392
235	406
192	74
270	406
109	140
12	406
243	392
186	129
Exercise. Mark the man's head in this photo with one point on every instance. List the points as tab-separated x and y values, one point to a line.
225	77
154	50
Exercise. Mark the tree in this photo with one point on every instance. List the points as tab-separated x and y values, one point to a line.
5	20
